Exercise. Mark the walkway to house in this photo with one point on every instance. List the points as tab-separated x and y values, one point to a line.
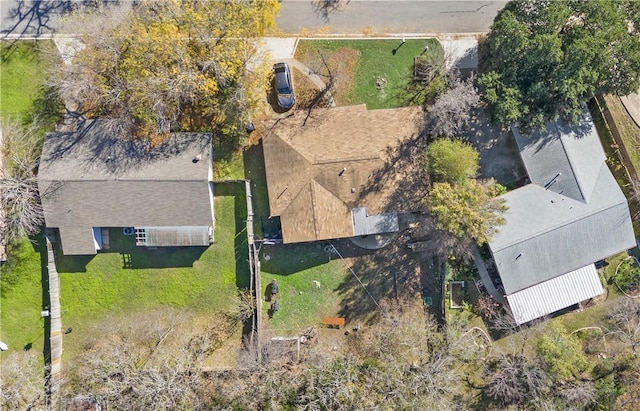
53	358
486	279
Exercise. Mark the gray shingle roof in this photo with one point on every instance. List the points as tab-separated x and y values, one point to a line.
93	180
581	218
563	158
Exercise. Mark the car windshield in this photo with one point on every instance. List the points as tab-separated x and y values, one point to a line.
284	90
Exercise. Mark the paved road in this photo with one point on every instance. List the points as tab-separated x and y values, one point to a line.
36	18
387	16
24	18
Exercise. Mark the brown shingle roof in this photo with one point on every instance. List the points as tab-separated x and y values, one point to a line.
318	168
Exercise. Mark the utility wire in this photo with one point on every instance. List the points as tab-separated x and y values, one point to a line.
358	278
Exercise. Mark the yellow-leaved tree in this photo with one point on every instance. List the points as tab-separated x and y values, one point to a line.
167	65
462	205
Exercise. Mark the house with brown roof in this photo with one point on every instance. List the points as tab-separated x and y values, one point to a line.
321	168
90	181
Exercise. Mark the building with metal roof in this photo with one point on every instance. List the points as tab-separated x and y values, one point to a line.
572	214
90	180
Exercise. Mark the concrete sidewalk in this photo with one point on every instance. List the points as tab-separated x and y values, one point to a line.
3	243
632	104
278	48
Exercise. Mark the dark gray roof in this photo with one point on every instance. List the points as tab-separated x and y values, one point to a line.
563	158
581	218
88	179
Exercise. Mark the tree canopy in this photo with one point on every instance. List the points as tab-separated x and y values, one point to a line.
167	65
461	205
543	59
452	160
453	109
466	209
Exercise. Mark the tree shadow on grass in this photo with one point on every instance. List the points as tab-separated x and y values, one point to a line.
387	275
48	108
419	93
285	259
254	171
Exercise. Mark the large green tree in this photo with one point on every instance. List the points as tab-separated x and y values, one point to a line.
466	209
167	65
562	354
543	59
452	160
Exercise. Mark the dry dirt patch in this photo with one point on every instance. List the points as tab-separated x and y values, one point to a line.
337	69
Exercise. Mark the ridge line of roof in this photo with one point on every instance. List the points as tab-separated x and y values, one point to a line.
537	234
558	226
567	153
343	160
313	206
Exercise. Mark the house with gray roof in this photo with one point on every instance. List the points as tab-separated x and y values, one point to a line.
90	180
572	214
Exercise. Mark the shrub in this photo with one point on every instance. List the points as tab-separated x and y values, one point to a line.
627	275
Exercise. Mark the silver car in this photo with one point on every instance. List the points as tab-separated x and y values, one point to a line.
283	85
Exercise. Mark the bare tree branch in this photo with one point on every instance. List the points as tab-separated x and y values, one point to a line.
19	195
452	110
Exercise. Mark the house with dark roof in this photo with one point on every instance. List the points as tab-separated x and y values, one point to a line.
318	169
90	180
572	214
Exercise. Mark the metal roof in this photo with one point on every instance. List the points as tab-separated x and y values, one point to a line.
364	224
547	234
177	236
555	294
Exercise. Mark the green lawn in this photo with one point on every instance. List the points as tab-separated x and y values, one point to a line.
22	77
227	160
21	296
203	280
376	60
193	278
302	303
